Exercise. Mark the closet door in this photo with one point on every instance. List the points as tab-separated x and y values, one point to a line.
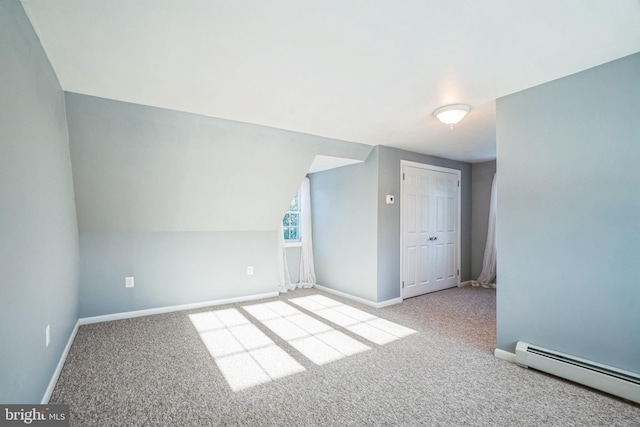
430	235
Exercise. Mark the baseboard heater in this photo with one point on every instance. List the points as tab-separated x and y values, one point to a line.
601	377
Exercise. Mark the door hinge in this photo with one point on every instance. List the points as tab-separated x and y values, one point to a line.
458	183
403	284
458	272
403	176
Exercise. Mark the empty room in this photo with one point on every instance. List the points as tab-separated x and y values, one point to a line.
317	213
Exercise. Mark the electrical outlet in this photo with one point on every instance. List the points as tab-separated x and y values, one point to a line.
128	282
47	336
250	270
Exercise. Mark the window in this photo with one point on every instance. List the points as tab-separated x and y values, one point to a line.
291	221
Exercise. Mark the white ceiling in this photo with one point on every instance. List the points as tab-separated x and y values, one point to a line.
357	70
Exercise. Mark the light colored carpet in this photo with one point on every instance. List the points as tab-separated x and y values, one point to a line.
156	370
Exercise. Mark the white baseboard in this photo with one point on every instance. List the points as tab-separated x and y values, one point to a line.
358	299
505	355
56	373
388	302
466	283
169	309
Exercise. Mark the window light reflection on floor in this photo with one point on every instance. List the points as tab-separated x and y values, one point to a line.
368	326
243	353
316	340
246	356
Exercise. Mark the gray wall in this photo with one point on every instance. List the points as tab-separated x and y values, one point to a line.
38	227
357	235
569	215
182	202
345	227
481	179
172	268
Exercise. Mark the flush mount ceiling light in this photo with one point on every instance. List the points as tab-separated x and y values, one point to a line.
451	114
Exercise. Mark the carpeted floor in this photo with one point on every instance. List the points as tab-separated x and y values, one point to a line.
157	370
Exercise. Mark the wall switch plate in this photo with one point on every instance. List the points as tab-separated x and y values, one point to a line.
390	199
250	270
128	282
47	336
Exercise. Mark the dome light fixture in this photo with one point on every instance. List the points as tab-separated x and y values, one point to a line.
451	114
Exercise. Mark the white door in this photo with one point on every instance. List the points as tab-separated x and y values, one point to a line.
430	200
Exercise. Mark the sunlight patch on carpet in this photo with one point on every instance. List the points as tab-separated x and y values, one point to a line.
247	357
316	340
243	353
366	325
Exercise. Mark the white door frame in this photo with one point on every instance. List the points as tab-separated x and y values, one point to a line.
427	166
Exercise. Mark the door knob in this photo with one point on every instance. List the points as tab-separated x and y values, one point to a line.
433	238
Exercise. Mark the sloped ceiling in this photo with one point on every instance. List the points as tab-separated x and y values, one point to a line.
361	71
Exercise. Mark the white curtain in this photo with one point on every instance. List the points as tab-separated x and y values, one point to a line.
307	276
283	266
488	274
